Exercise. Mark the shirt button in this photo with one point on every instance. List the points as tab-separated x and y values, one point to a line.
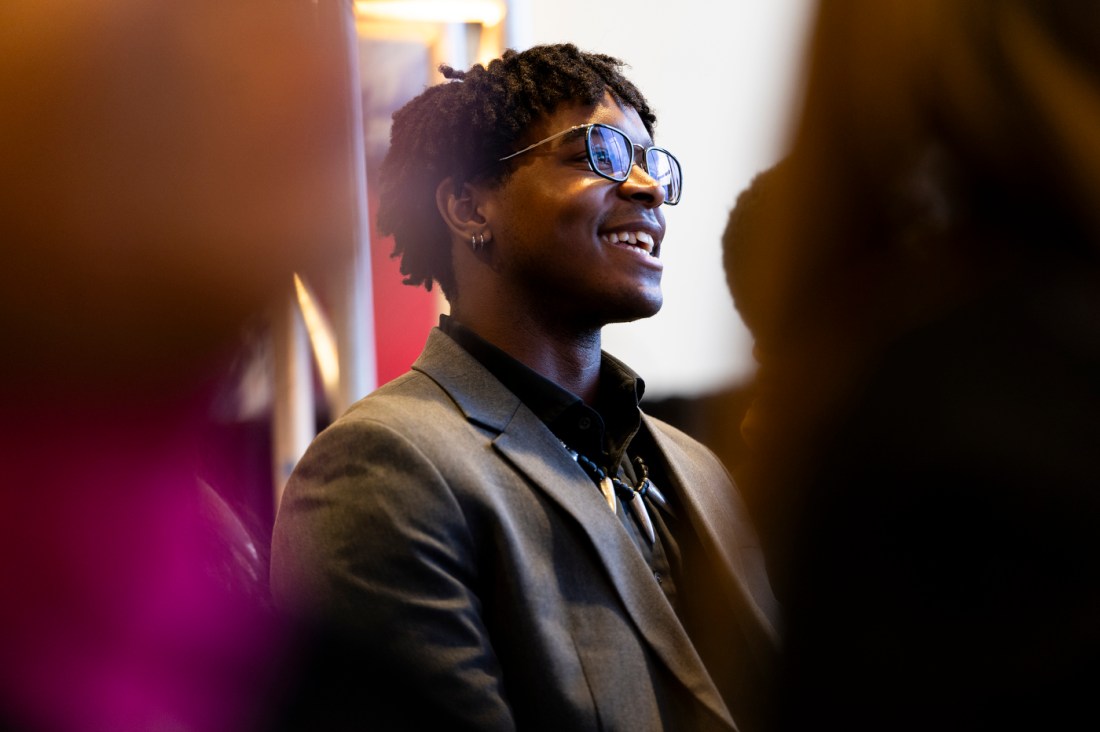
584	423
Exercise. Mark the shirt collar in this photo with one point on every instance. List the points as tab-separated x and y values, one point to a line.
601	432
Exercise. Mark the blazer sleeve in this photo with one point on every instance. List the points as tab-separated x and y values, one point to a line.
372	546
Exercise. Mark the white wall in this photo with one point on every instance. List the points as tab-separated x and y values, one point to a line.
721	77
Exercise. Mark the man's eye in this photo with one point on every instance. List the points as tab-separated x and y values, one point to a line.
603	160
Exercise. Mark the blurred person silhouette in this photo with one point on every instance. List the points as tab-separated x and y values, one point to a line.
929	311
454	526
165	168
745	250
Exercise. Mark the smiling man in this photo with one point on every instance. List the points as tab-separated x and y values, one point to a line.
501	534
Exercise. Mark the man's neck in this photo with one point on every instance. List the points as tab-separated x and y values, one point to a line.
568	357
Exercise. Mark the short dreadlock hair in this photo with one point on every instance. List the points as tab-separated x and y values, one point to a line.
460	129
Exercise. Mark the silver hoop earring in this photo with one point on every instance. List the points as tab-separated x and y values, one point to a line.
477	242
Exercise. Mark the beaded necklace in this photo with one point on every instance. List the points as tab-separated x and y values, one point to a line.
613	487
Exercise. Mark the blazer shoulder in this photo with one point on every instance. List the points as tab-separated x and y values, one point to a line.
670	431
412	404
691	448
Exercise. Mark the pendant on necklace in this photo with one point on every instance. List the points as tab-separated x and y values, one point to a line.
608	490
637	507
649	490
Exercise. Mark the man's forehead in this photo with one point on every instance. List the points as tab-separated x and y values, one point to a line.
607	111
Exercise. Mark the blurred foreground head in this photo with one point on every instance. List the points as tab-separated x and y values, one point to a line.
165	167
939	141
942	150
932	325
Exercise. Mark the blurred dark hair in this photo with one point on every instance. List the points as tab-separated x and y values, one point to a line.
745	244
937	142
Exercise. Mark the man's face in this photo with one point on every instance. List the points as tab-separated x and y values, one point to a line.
572	246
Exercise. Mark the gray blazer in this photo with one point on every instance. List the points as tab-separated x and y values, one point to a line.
441	529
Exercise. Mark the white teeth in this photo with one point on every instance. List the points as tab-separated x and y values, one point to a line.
634	238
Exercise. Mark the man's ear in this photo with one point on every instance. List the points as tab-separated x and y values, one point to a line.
461	209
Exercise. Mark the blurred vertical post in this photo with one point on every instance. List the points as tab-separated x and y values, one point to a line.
292	416
353	301
348	287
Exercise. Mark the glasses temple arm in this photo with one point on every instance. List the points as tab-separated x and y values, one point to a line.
541	142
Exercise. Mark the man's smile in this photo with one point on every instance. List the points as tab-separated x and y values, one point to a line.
641	239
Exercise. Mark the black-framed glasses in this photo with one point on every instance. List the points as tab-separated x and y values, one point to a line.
611	155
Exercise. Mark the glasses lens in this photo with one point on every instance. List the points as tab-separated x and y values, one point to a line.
664	169
611	153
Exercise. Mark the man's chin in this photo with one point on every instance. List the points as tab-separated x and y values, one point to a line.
638	311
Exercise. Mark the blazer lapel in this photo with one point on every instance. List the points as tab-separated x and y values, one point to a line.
721	522
530	446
